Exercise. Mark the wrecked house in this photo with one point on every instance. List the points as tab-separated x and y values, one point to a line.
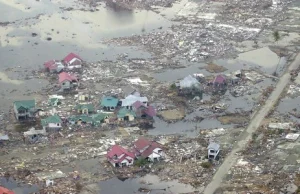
80	119
149	150
67	81
84	108
99	118
34	135
190	86
143	111
73	61
213	150
219	82
54	102
119	156
109	103
52	123
125	114
3	138
54	66
95	119
132	98
24	109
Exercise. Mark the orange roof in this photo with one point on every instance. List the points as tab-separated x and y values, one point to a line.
5	191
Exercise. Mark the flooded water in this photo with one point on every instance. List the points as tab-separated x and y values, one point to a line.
72	28
130	186
18	189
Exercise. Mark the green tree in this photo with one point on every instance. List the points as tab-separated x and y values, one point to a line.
276	36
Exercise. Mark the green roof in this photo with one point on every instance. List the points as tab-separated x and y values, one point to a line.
99	116
109	101
27	104
83	118
90	107
51	119
124	111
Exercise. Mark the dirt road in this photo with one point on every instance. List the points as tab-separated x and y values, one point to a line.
253	126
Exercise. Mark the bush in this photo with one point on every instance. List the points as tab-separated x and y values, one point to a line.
141	162
206	165
173	86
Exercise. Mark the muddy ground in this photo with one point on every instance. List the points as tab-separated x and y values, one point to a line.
158	43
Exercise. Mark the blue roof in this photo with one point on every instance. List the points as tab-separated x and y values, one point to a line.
109	101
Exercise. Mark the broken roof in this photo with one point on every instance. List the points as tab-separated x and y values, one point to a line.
109	101
220	79
150	111
125	112
90	107
142	143
3	137
32	131
70	57
51	119
138	104
129	100
63	76
118	151
27	104
189	81
213	146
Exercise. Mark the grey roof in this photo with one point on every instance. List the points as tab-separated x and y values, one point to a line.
188	82
213	146
129	100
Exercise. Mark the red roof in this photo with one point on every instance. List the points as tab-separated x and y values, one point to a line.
5	191
71	56
63	76
118	151
220	79
138	104
150	111
142	143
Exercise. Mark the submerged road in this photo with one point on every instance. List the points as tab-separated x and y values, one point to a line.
231	159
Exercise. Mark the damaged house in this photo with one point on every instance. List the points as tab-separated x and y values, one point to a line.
132	98
119	156
33	135
52	123
125	114
24	109
73	61
67	81
85	108
149	150
190	86
54	66
109	103
143	111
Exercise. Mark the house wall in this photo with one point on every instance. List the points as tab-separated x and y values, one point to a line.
127	162
66	85
155	154
54	125
75	63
